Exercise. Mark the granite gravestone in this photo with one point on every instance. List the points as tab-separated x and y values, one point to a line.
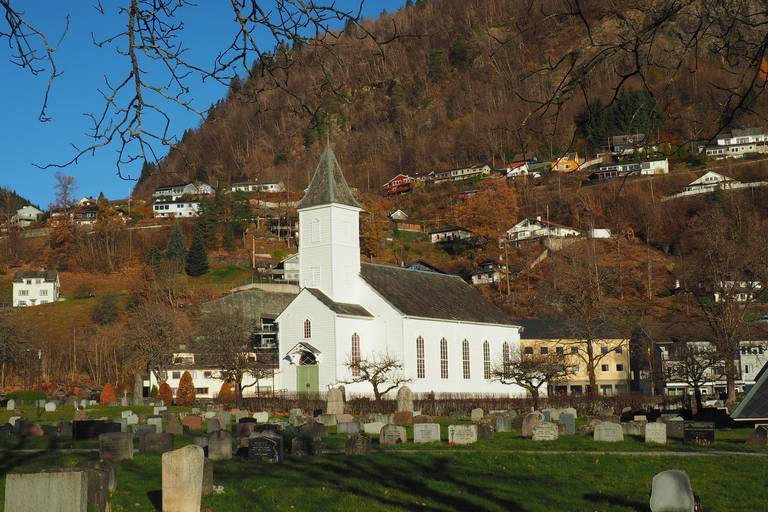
97	483
156	443
329	420
476	415
334	402
759	437
87	430
373	428
544	431
656	433
138	390
529	421
426	433
357	444
11	405
423	418
462	434
313	429
116	446
405	399
265	446
219	445
48	492
671	492
213	426
193	422
243	429
351	427
567	424
307	446
698	432
503	422
485	427
102	465
157	422
392	434
177	429
64	429
403	417
183	479
609	432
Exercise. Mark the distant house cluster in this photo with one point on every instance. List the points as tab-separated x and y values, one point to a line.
737	143
404	183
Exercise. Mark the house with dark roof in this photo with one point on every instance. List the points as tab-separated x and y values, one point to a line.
444	333
33	287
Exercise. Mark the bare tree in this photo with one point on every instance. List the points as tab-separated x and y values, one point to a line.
532	370
692	363
224	340
382	370
154	334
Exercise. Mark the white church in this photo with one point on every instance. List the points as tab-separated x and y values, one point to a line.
446	334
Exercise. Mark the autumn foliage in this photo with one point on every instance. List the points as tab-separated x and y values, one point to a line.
107	394
227	393
186	394
165	394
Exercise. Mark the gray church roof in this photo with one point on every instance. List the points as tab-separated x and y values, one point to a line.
754	406
431	295
341	308
328	185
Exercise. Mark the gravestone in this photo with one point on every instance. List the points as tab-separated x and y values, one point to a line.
462	434
307	446
457	415
97	483
80	416
426	433
609	432
183	479
207	476
351	427
102	465
759	437
155	443
699	432
133	419
384	418
219	445
88	430
503	422
139	430
157	422
675	426
158	409
569	410
84	403
403	417
404	399
7	429
49	492
177	429
313	429
208	415
554	414
329	420
485	428
11	404
529	421
334	402
265	446
50	407
213	425
373	428
123	422
476	415
609	418
392	434
243	429
168	416
261	417
193	422
568	423
345	418
138	389
32	429
116	446
357	444
656	433
248	420
634	428
64	429
423	418
671	492
225	419
544	431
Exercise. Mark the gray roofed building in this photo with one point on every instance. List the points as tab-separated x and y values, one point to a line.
328	185
339	307
754	406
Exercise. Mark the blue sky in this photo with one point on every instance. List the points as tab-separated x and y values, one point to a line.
26	143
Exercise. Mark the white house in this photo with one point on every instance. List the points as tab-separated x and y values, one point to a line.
176	208
709	182
272	187
33	287
245	186
529	228
287	269
446	335
178	190
741	136
449	234
463	173
26	215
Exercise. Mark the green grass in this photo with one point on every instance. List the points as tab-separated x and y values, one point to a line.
507	473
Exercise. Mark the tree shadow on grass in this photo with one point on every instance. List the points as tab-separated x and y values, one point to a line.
617	500
156	499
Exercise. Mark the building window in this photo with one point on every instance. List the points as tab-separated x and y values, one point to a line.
43	293
603	349
23	293
528	351
420	358
505	356
606	389
619	367
559	351
443	358
605	368
202	391
175	375
575	368
486	360
575	351
316	231
355	355
465	358
206	375
315	276
22	303
307	329
544	351
619	350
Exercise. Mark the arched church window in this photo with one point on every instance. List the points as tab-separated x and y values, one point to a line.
443	358
420	373
307	329
465	358
355	355
505	357
486	360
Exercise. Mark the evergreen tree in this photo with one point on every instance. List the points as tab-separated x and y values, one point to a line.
107	394
154	259
176	250
165	393
229	237
186	394
207	221
197	257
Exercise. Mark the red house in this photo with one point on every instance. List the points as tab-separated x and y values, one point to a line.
397	185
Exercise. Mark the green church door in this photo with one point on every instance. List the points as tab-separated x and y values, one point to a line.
308	378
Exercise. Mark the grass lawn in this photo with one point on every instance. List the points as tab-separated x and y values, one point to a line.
505	473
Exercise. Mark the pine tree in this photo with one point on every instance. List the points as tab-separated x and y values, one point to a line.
107	394
165	394
186	394
197	257
229	237
207	221
176	250
154	259
227	394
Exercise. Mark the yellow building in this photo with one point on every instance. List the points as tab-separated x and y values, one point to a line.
568	340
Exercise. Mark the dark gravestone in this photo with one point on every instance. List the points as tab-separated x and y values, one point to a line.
88	430
6	429
268	427
307	446
64	429
265	446
699	432
313	429
423	418
674	427
193	422
156	443
243	429
98	485
484	429
177	429
103	465
168	416
458	415
140	430
358	443
116	446
248	420
404	417
759	437
207	476
567	424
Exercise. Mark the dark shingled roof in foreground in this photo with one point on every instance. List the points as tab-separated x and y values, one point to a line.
328	185
341	308
754	406
431	295
47	275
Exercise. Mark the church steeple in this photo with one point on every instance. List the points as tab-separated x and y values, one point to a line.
328	185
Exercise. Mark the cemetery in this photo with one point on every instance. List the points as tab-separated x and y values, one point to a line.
154	457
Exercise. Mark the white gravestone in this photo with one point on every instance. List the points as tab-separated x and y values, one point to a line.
656	433
462	434
609	432
183	479
545	431
426	433
671	492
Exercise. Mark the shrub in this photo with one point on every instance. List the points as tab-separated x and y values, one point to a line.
107	394
186	394
165	394
153	391
227	394
29	397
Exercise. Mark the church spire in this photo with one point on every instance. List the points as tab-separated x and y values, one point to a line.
328	185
